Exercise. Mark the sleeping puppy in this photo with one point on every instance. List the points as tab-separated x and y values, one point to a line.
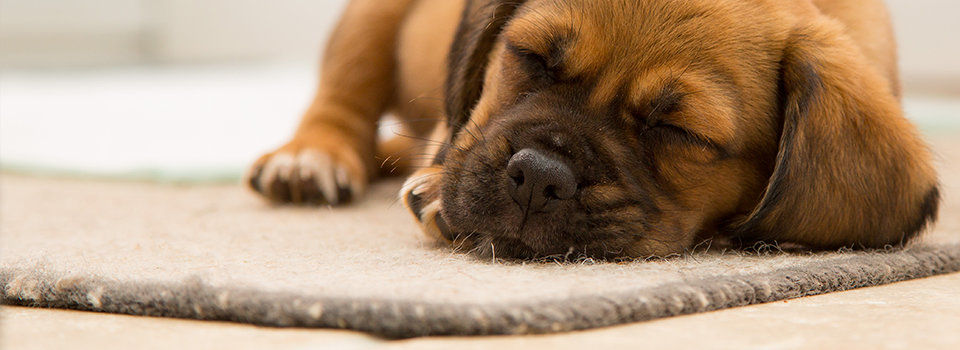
618	128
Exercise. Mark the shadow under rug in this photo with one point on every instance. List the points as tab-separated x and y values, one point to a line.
219	253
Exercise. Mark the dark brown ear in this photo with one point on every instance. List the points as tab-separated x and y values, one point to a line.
851	170
480	27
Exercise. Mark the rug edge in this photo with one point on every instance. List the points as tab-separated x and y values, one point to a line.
193	299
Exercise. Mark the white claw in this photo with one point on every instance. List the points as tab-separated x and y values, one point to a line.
285	167
419	190
276	168
309	168
416	184
325	176
430	211
343	177
345	180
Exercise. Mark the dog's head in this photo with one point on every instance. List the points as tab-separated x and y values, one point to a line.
629	128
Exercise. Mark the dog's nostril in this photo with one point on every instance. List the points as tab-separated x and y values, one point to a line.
517	179
539	179
550	192
516	174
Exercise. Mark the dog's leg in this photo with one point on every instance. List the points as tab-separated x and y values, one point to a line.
331	157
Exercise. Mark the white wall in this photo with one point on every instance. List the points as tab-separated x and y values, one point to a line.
107	32
191	30
929	36
45	32
52	32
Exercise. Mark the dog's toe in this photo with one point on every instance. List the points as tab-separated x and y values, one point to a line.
320	169
421	195
273	179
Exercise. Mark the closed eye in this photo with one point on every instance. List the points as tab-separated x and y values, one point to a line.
541	68
677	133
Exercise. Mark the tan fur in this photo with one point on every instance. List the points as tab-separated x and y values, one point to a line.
367	70
391	56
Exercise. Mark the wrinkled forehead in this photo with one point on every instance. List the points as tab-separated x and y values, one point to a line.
618	40
607	30
638	52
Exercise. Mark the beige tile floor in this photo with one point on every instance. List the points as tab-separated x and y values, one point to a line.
919	314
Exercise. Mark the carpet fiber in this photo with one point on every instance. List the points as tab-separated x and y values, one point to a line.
219	253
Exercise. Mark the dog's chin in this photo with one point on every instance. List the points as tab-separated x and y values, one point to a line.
490	246
511	248
516	245
481	222
531	241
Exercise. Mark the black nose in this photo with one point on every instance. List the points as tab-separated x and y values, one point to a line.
539	181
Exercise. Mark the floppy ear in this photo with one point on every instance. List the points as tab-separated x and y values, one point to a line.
480	27
851	170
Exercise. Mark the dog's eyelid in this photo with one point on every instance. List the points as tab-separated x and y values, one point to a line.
669	101
689	134
550	63
525	52
693	135
655	114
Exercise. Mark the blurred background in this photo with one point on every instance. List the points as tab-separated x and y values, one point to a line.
193	90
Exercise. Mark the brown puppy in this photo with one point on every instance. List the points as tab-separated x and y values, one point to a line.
621	128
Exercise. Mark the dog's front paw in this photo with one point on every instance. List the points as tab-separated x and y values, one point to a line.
421	195
301	174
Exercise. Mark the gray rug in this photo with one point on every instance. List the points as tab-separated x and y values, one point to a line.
218	253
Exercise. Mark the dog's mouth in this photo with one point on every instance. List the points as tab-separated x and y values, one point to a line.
535	240
526	241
